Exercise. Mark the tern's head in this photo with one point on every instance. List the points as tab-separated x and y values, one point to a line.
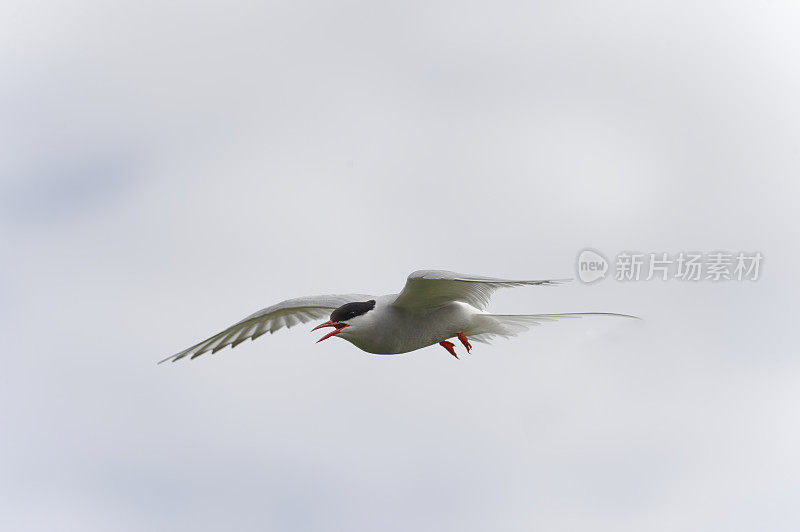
345	316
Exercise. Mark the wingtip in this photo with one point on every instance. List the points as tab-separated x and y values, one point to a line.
552	282
171	358
617	315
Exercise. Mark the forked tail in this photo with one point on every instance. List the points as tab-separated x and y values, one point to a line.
487	326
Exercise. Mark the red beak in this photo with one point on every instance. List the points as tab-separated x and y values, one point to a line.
339	328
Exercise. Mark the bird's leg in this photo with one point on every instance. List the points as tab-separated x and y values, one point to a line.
464	341
449	346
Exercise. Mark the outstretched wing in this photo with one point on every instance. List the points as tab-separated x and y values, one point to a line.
285	314
431	288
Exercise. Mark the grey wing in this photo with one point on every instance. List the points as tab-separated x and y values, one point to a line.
285	314
430	288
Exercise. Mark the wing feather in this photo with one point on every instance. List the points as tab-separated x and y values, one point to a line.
431	288
285	314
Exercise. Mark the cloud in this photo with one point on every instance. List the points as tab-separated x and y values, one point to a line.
171	170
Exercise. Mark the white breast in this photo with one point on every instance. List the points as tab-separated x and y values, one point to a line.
389	330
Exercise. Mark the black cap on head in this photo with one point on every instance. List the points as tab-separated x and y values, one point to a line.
349	311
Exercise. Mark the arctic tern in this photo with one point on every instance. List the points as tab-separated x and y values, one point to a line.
434	306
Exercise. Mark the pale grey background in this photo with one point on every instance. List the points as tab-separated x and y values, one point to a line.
170	168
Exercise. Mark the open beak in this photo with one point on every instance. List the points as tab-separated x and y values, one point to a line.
338	325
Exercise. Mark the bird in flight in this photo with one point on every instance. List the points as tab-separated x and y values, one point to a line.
433	307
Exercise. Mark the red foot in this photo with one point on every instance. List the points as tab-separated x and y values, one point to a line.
449	346
464	341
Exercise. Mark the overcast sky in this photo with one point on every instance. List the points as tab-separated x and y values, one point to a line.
167	169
